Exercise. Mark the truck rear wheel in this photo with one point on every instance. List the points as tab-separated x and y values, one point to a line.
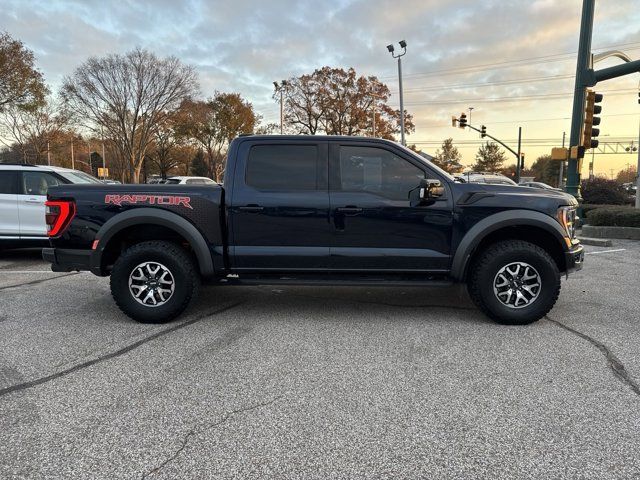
153	282
514	282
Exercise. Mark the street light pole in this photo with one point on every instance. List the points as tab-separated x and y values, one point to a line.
280	88
638	171
399	56
48	154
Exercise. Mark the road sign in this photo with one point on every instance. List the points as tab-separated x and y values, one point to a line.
103	172
559	153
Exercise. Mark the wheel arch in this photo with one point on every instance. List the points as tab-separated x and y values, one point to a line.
139	217
531	226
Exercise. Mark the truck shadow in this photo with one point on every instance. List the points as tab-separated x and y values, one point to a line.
348	302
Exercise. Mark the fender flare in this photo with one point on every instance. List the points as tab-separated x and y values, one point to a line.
495	222
153	216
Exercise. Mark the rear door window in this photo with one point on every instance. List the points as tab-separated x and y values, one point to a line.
283	167
8	182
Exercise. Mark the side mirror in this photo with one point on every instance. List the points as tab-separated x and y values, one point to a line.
430	189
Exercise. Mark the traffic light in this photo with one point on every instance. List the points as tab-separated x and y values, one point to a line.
590	120
462	121
483	131
521	161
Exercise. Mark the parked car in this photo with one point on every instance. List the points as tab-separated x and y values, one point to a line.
108	181
483	177
318	210
544	186
541	185
189	181
23	192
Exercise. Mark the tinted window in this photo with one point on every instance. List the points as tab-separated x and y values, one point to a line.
378	171
8	182
283	167
38	183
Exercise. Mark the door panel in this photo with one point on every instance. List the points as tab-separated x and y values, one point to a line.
376	225
280	207
9	218
33	193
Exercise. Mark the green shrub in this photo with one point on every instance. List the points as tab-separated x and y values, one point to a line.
602	191
614	217
588	207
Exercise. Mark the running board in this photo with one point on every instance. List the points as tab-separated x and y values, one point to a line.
337	280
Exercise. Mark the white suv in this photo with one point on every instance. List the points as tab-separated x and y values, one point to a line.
23	191
177	180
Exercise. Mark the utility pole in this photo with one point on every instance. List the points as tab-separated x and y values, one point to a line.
390	48
561	174
73	160
586	76
373	121
103	159
518	166
374	105
48	154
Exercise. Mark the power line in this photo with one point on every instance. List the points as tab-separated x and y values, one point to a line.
487	84
504	64
515	98
447	122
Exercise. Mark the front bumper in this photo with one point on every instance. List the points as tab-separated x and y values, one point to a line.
574	257
68	260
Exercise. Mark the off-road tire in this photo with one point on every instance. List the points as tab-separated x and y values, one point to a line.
181	266
488	263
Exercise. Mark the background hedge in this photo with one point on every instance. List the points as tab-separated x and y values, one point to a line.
614	217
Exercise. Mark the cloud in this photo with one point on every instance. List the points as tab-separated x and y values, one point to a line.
244	46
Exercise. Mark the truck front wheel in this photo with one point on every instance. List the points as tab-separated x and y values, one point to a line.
514	282
153	282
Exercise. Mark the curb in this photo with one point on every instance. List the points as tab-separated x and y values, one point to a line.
596	242
628	233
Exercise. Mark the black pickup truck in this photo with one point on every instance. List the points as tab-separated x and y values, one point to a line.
318	210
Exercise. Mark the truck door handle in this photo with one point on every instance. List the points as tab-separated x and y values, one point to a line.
33	200
349	210
251	208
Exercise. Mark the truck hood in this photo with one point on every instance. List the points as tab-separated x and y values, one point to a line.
530	191
510	197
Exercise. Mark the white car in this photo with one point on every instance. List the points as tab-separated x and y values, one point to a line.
189	181
23	191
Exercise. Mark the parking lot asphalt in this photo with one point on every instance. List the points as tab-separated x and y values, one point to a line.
307	382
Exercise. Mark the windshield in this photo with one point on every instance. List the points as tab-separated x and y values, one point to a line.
79	177
172	181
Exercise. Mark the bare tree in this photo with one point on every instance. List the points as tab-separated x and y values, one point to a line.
128	95
30	130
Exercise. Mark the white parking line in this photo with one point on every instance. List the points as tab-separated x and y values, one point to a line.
28	271
606	251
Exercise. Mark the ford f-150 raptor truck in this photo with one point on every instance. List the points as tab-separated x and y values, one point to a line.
318	210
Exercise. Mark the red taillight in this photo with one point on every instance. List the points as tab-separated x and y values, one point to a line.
59	214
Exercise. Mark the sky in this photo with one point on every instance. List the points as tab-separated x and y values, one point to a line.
512	61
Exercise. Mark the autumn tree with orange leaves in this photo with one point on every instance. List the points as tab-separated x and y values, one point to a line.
339	102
